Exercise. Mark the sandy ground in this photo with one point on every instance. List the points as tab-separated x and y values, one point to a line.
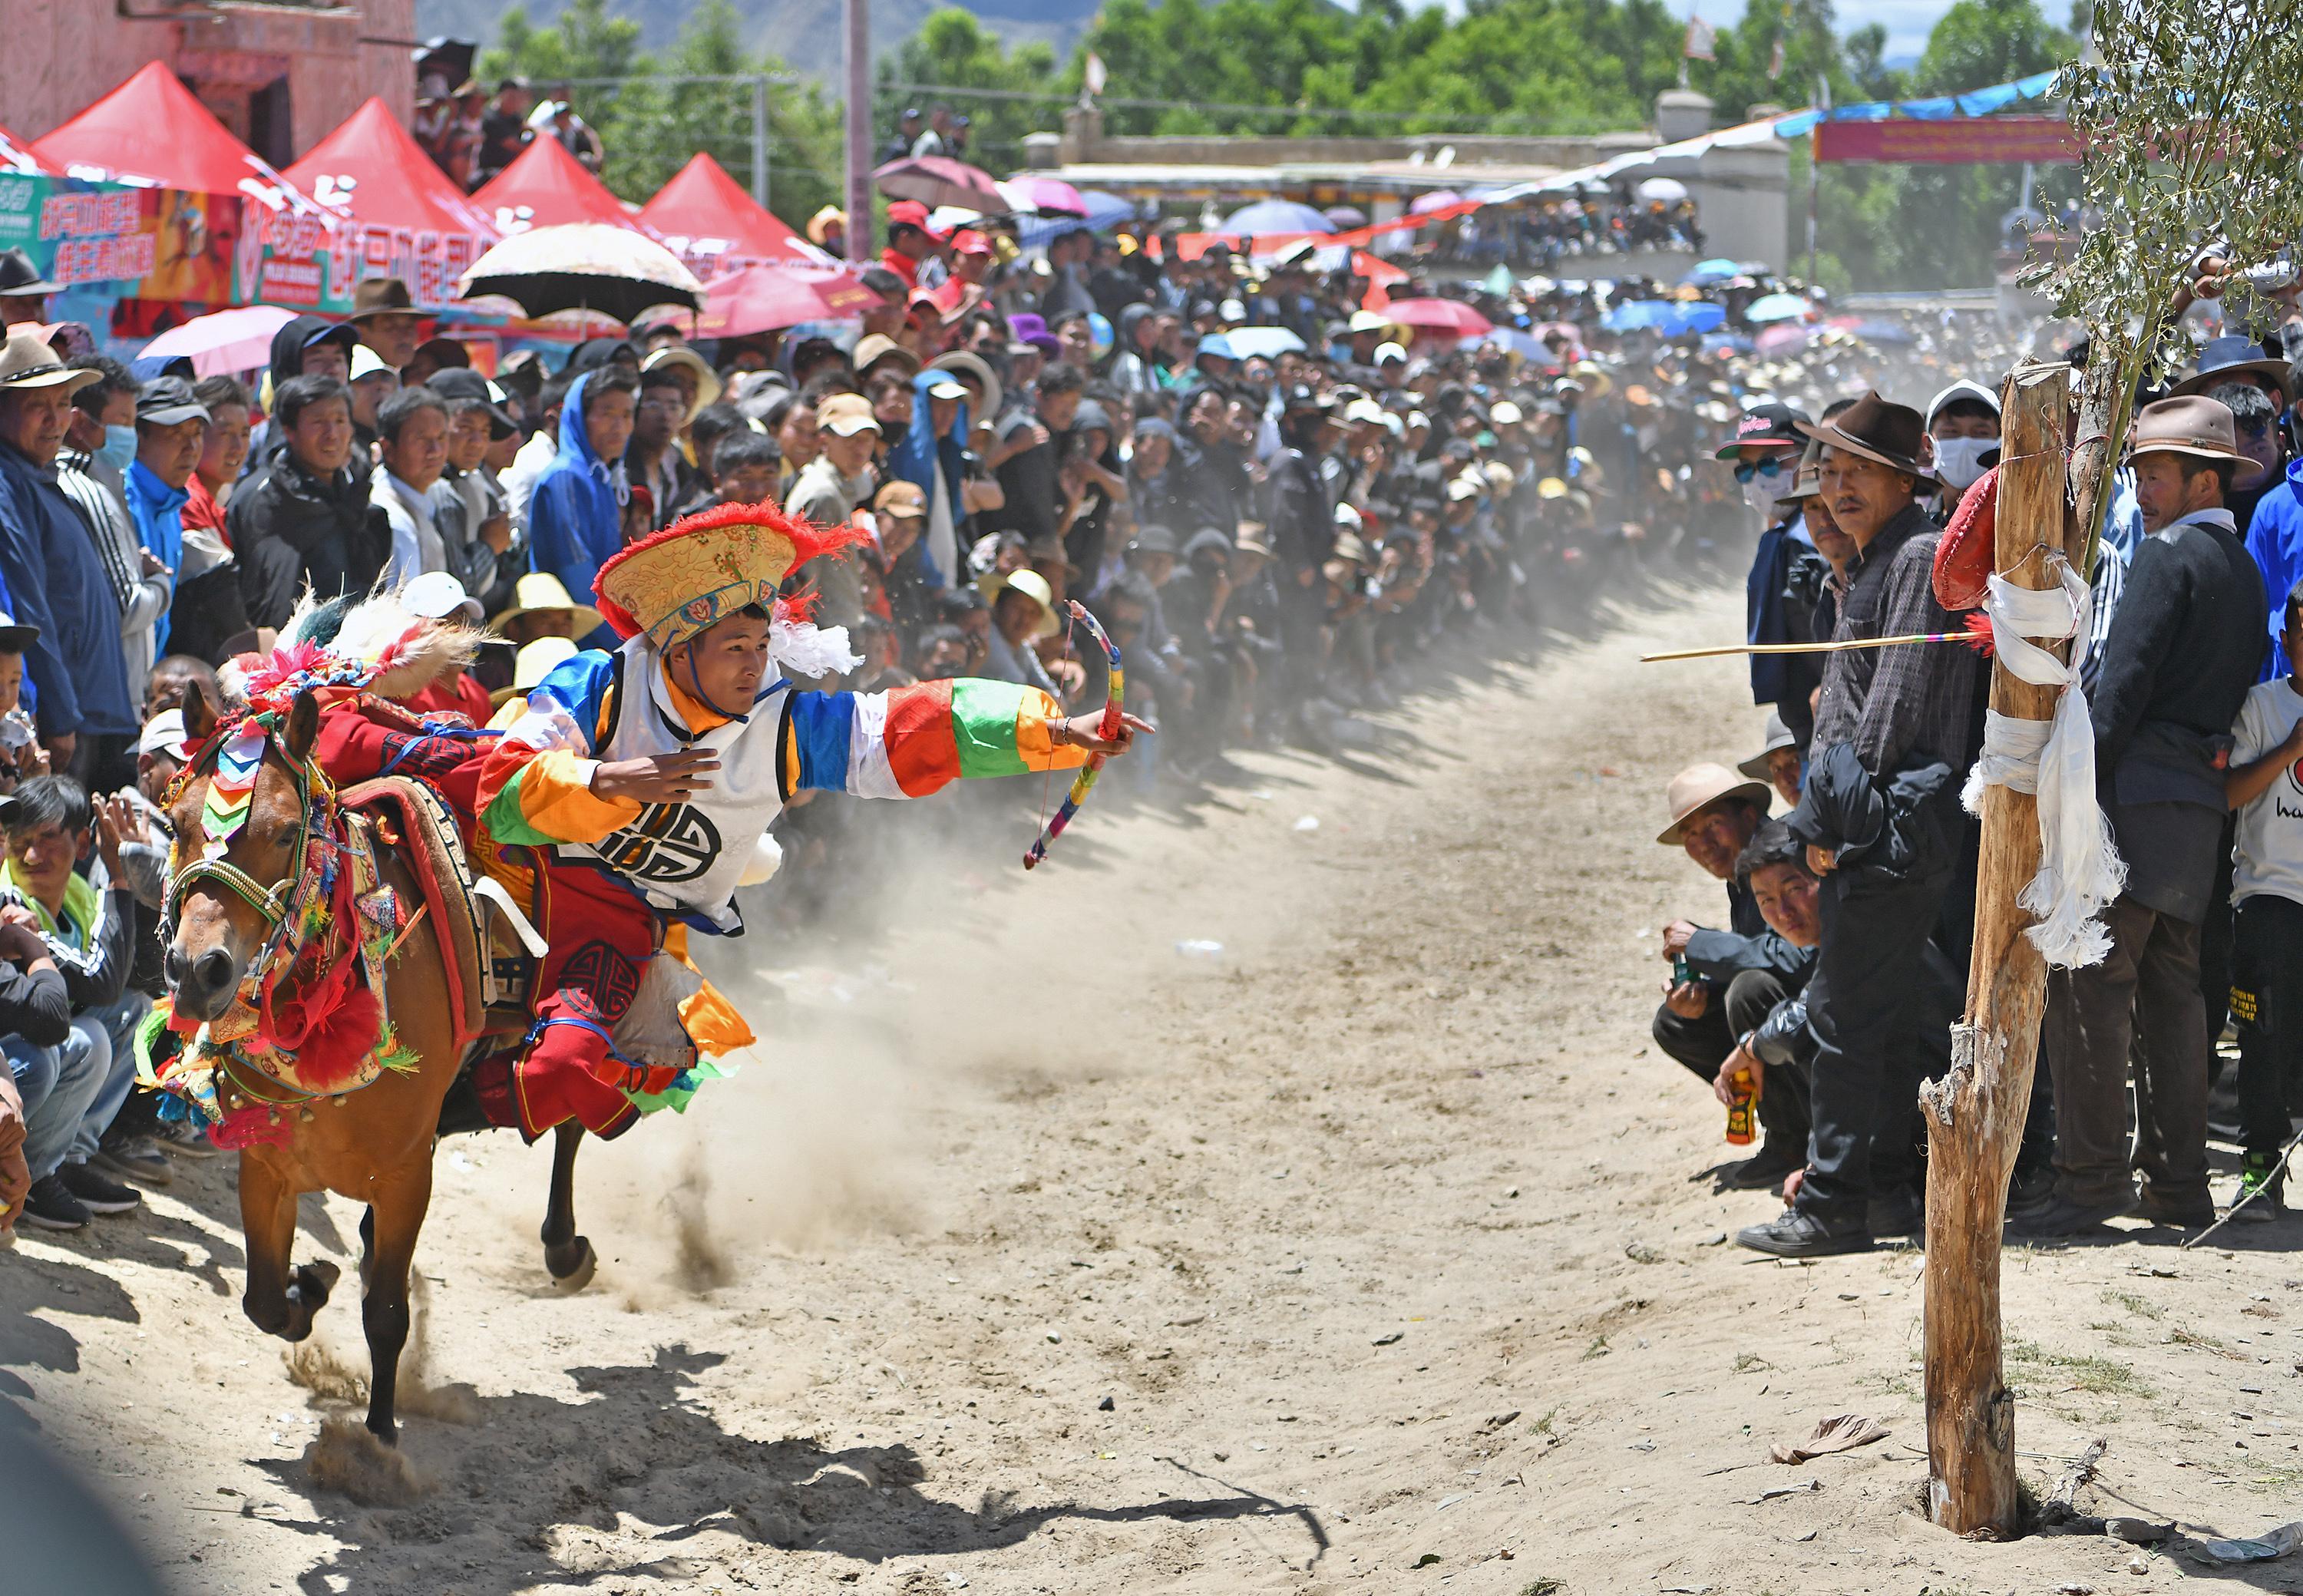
1374	1251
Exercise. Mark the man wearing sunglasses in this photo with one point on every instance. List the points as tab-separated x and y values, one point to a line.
1765	454
2255	417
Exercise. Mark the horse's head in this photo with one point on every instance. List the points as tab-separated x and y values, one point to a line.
225	905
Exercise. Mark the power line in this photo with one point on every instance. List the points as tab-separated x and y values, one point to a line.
1058	97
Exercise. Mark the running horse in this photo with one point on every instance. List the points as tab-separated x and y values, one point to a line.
310	984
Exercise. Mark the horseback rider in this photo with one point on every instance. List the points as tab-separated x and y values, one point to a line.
627	802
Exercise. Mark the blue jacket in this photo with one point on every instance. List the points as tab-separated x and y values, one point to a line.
158	512
1765	616
52	573
918	454
2275	538
574	521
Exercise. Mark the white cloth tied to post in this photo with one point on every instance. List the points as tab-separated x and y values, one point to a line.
2079	867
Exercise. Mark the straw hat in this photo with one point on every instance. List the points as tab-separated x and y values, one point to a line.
708	386
1702	785
533	662
541	590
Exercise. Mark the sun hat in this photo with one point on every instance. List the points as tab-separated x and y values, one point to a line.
2226	359
708	386
976	366
533	662
1699	786
901	498
164	734
541	590
381	296
870	352
1779	736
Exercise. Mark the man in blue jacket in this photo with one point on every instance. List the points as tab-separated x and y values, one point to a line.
48	563
575	517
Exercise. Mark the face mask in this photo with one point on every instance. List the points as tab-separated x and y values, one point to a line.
1956	465
1761	495
118	449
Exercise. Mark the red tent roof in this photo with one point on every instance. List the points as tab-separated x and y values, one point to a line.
705	216
17	153
152	127
545	186
370	170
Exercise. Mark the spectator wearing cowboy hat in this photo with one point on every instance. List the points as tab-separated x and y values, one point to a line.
50	576
2182	651
23	291
1879	813
2258	434
1778	762
384	316
2238	358
1724	983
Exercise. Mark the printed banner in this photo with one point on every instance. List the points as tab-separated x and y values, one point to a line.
129	242
1956	141
313	262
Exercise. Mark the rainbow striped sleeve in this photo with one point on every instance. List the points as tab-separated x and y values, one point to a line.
535	786
908	741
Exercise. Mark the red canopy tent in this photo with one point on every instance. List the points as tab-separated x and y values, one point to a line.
713	225
406	219
17	155
153	130
546	186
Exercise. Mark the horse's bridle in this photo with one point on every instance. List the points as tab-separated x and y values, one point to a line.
271	904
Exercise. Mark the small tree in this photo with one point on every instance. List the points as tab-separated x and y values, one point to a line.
2191	122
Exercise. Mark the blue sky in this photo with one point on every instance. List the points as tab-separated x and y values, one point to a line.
1907	21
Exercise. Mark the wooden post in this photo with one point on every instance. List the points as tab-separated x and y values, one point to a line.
1975	1114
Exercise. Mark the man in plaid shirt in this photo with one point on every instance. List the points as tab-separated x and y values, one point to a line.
1894	736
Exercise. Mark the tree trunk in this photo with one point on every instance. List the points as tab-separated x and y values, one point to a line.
1975	1114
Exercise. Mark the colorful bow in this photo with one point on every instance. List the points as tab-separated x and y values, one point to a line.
1084	782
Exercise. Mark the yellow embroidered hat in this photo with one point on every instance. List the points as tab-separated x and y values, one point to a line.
704	568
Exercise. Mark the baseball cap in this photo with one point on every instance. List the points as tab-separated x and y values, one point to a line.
166	400
164	734
943	386
1763	425
901	498
911	212
844	415
438	595
967	241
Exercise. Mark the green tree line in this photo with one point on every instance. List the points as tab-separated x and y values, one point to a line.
1308	67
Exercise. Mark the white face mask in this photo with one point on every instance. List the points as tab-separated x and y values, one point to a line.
1957	465
1761	495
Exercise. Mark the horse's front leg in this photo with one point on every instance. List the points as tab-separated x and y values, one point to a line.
568	1256
278	1305
398	1204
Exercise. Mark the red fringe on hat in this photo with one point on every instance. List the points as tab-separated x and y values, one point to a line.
809	542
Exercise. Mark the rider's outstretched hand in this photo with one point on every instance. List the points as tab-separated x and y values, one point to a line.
659	778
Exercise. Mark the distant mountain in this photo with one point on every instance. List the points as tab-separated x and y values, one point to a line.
806	33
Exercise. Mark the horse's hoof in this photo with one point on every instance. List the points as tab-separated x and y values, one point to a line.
314	1282
579	1274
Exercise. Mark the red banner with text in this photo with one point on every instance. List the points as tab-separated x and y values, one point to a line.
1959	141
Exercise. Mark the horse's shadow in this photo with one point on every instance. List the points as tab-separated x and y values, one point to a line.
536	1492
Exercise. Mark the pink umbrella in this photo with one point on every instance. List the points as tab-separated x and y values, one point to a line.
1438	199
1451	316
939	179
224	342
764	298
1774	340
1047	196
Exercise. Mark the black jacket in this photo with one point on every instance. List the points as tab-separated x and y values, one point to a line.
1302	518
288	526
34	1005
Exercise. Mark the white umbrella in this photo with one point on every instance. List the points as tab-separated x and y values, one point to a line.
1669	190
1269	342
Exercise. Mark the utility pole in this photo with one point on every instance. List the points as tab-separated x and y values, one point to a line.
760	138
858	15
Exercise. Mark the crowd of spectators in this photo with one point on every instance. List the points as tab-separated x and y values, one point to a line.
1278	502
1851	862
472	135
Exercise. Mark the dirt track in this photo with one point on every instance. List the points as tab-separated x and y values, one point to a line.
1381	1232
